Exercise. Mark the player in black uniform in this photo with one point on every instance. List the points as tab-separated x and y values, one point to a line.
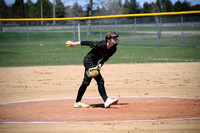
100	53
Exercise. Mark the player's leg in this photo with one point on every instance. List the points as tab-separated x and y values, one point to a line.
88	63
101	88
81	91
107	101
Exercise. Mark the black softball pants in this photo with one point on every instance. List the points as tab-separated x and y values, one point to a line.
86	82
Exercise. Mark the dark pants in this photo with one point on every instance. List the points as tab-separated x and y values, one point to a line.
86	82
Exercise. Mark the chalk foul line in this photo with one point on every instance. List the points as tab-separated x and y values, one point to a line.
73	98
96	122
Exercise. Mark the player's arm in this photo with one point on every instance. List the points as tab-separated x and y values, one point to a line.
88	43
70	43
104	60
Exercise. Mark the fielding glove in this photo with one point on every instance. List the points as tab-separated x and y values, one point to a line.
93	72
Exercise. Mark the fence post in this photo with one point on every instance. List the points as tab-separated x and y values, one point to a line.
27	29
100	29
135	29
41	11
74	30
87	29
182	30
116	25
157	23
79	32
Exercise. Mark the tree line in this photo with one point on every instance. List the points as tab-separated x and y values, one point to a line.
102	7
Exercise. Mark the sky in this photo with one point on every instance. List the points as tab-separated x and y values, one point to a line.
84	2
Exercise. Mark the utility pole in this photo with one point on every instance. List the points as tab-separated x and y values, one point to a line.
54	2
41	11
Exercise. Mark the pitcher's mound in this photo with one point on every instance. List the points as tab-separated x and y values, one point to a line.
126	109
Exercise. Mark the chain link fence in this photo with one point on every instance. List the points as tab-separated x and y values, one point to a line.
167	30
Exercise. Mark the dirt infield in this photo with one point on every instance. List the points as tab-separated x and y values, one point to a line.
155	91
126	110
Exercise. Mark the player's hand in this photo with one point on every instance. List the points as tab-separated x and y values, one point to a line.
98	67
69	44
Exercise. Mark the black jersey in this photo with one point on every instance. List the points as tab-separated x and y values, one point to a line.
98	53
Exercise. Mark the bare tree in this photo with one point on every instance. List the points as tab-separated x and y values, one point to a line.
22	14
115	8
161	6
89	13
156	8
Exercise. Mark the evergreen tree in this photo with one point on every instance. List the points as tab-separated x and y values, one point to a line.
15	10
186	6
168	6
196	7
158	5
126	7
60	9
178	6
146	8
164	6
4	10
27	6
131	7
120	3
32	11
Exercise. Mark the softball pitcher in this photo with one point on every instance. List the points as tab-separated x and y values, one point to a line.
101	51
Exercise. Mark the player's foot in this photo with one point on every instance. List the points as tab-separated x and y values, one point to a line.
110	102
80	104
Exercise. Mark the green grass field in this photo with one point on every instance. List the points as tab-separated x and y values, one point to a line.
14	49
146	36
62	55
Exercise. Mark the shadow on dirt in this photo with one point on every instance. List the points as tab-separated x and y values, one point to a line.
102	105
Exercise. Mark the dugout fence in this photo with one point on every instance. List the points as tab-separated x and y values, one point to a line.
151	29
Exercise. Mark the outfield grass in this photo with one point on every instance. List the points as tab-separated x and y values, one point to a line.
146	36
35	38
61	55
15	51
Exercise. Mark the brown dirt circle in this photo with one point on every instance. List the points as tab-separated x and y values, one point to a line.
127	109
